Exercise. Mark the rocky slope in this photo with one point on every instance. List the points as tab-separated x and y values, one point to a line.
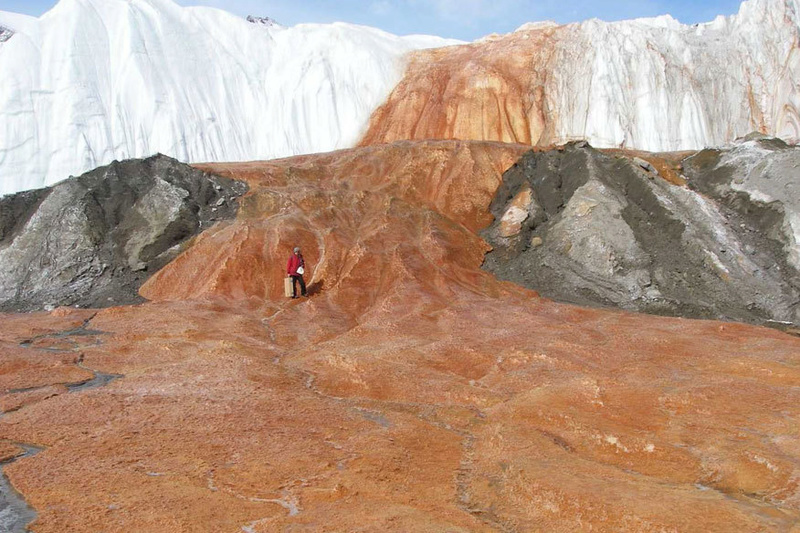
587	227
98	80
650	84
93	240
412	392
759	181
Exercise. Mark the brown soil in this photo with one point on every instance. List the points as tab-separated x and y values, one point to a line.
411	392
668	164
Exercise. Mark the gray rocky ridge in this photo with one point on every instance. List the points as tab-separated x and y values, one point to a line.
91	241
5	34
264	21
590	228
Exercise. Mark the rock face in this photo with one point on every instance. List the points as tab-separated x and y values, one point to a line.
94	239
650	84
264	21
759	180
411	392
604	229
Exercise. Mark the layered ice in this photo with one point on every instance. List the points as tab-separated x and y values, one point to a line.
659	85
96	80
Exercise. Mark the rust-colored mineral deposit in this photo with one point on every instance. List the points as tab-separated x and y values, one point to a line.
411	392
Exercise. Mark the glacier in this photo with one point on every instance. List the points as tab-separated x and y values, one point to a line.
91	81
658	85
649	84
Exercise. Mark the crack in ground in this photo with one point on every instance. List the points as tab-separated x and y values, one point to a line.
423	412
81	331
15	513
100	379
426	414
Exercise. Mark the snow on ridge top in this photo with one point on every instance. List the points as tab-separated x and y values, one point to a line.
756	12
99	80
533	26
666	21
360	32
758	9
749	11
17	23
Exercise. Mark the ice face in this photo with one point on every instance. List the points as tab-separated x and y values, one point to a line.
96	80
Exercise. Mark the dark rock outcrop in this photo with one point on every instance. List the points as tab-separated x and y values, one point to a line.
93	240
591	228
263	21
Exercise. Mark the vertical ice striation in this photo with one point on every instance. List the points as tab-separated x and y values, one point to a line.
656	84
96	80
652	84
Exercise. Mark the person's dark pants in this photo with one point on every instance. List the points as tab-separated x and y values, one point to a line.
295	279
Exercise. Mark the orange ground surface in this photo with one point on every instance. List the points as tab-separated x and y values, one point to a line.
411	392
484	91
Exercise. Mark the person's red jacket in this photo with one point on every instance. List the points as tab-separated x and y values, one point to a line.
295	262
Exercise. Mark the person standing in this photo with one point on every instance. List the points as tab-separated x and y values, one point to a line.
295	269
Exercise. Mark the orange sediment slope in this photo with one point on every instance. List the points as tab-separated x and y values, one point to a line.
366	219
492	90
411	392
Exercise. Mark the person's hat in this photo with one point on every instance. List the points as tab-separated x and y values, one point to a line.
296	249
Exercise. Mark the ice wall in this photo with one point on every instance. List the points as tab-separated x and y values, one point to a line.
96	80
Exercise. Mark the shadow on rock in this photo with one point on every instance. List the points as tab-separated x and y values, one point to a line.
92	241
592	228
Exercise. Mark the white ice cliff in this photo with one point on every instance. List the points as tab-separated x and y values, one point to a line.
658	85
96	80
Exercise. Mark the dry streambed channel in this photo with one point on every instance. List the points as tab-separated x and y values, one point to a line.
15	513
